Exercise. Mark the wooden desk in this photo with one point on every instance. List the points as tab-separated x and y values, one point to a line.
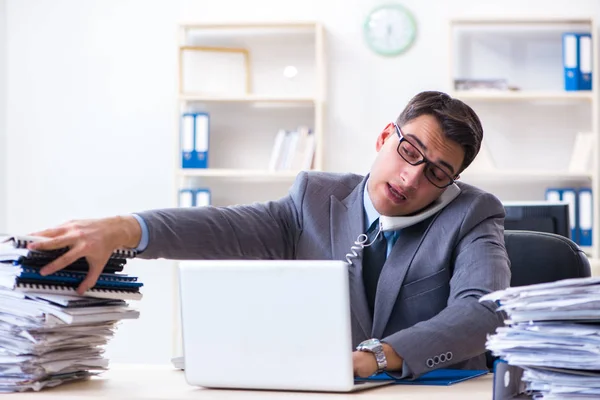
164	382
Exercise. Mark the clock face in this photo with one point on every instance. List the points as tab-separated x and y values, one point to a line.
390	30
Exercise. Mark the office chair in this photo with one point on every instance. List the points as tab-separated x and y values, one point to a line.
540	257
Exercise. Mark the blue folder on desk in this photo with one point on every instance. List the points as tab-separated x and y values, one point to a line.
439	377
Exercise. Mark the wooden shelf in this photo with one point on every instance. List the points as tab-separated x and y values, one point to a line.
520	21
581	95
275	100
238	173
524	175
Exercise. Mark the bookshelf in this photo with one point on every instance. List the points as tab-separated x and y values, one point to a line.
531	124
253	80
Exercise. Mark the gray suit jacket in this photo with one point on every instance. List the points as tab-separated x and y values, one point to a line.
426	305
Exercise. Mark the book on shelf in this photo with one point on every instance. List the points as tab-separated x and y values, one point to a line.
293	150
582	154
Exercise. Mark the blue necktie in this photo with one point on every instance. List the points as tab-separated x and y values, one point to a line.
373	259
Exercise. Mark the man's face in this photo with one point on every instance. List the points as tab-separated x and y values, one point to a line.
398	188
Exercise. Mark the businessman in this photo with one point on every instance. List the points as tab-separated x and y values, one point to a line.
415	300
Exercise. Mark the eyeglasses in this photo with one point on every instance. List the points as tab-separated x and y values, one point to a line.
412	155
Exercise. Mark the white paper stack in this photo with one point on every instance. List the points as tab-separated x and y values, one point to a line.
553	332
48	339
48	334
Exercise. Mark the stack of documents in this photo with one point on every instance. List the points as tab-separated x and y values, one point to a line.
48	333
553	332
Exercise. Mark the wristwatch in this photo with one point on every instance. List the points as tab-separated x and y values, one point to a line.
374	346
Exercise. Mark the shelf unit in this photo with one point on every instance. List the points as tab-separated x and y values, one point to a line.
534	126
252	80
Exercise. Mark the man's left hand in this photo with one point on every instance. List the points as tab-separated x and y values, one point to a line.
365	364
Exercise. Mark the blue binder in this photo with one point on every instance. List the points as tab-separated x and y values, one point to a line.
571	60
585	61
202	197
585	211
194	132
439	377
186	198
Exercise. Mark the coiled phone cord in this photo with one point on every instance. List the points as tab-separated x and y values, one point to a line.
360	244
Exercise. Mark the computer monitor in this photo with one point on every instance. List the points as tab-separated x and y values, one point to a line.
540	216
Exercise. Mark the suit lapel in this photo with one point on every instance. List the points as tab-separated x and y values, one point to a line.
347	222
394	271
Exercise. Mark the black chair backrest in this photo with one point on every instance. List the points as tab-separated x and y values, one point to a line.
539	257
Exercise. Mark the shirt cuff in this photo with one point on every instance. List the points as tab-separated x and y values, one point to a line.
144	239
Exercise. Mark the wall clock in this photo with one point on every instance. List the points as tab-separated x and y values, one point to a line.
390	30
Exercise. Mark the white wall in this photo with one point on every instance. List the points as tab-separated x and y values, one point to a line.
92	107
3	78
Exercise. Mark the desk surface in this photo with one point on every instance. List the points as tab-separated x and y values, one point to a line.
165	382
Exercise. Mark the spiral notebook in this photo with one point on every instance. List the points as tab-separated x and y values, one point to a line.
21	242
20	271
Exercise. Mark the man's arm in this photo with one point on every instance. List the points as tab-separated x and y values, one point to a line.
261	230
459	331
266	230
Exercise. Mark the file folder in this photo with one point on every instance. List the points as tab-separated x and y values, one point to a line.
439	377
508	384
585	217
552	194
569	195
571	61
186	198
585	62
195	129
202	198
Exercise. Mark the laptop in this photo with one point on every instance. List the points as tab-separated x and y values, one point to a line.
268	324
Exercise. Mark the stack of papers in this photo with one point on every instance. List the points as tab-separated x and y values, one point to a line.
553	332
48	334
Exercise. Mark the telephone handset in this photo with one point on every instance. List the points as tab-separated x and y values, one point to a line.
396	223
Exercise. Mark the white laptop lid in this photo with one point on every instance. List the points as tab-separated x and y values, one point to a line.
267	324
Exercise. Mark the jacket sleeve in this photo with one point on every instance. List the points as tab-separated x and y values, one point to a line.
260	231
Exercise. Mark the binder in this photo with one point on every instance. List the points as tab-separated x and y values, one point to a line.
186	198
202	198
195	129
21	266
585	62
17	245
552	194
585	216
571	61
569	195
438	377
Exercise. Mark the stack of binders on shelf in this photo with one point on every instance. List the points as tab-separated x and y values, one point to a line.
580	211
48	333
194	197
577	61
194	132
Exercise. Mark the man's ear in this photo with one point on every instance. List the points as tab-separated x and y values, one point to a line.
384	135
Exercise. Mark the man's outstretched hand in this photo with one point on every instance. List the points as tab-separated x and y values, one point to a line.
94	239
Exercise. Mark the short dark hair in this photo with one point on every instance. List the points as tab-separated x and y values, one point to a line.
458	121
